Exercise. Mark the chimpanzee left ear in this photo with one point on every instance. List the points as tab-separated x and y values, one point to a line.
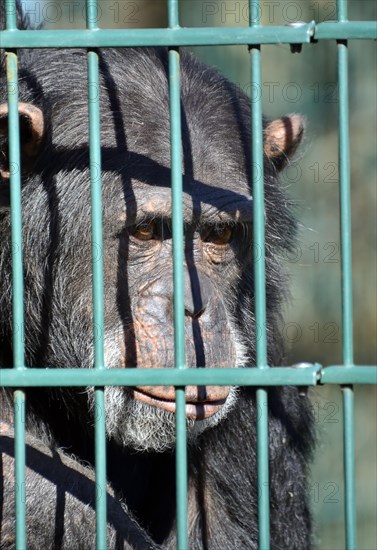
31	135
282	137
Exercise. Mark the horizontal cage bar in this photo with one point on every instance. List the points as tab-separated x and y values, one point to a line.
158	37
203	36
248	376
280	376
346	30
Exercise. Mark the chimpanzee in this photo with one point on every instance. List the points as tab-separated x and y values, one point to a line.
219	301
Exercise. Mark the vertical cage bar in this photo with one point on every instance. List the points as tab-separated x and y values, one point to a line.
173	14
178	277
349	467
345	195
97	280
346	278
260	286
17	277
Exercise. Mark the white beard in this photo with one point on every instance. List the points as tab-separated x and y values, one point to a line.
144	427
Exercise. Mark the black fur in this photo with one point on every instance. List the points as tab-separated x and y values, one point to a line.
58	323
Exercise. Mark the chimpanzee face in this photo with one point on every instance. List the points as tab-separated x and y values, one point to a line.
137	225
215	247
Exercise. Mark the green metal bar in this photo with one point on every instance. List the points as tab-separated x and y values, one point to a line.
349	375
345	202
173	15
16	216
352	30
178	277
97	280
258	212
248	376
278	376
346	273
20	460
173	37
260	290
10	16
203	36
17	279
341	11
181	469
349	467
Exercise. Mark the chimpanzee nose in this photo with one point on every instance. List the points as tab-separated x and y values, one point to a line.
198	289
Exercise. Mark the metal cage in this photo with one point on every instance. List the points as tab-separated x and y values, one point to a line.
346	375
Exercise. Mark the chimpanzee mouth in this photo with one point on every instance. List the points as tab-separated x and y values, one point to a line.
195	410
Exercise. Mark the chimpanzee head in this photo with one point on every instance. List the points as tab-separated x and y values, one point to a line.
137	248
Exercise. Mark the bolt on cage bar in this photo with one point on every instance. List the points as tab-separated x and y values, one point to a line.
20	377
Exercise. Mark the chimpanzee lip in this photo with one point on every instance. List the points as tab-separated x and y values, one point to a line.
195	410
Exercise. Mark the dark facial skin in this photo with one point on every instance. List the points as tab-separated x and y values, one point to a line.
213	249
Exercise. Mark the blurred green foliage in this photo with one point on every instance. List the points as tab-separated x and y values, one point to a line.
305	83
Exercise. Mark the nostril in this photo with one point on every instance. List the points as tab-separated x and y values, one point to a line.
194	314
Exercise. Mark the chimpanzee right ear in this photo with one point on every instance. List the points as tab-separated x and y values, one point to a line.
31	135
281	137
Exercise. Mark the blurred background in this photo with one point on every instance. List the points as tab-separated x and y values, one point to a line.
304	83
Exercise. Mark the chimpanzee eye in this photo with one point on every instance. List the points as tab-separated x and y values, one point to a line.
144	231
220	235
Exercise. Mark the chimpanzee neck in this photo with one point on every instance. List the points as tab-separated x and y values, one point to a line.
146	482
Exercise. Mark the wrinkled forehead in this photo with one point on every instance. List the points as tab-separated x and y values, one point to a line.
200	201
204	164
146	180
